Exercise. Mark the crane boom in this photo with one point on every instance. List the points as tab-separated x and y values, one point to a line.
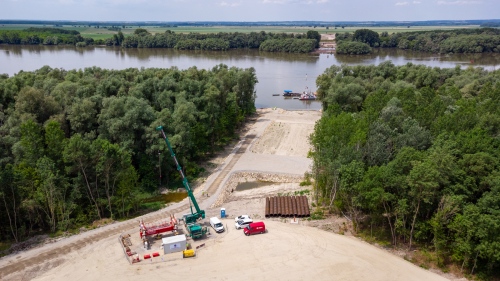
199	214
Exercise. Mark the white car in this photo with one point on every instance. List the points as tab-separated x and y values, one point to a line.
242	223
242	217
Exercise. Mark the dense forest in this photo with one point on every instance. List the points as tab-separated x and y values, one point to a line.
413	152
80	145
45	36
480	40
271	42
222	41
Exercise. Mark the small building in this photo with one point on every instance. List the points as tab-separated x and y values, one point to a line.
174	244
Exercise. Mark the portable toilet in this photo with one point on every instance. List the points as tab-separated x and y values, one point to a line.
222	212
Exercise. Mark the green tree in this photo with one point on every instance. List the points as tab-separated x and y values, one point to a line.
353	48
423	182
78	155
367	36
312	34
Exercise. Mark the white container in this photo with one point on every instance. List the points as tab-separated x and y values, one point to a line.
174	244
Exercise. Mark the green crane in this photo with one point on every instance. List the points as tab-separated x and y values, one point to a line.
194	216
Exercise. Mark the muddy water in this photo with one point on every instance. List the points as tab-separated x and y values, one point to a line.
171	197
252	184
276	72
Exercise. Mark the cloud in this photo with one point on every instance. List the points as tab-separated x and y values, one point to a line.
112	2
275	1
310	2
461	2
417	2
226	4
306	2
402	3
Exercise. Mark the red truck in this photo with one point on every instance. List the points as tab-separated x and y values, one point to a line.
255	227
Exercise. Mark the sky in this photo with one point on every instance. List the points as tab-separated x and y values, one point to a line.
249	10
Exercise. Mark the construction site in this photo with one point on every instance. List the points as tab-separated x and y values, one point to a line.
179	242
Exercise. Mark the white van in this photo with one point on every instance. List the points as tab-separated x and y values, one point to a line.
216	224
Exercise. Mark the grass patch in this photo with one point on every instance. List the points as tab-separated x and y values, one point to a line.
307	180
302	192
398	29
424	258
4	246
317	214
151	206
377	235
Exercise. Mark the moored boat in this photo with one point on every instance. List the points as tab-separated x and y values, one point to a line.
307	96
290	93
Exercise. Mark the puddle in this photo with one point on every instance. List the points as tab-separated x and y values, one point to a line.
252	184
171	197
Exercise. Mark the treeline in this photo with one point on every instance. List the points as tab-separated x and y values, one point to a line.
413	152
479	40
222	41
288	45
44	36
81	145
271	42
353	48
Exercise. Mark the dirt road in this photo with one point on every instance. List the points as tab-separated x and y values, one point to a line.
274	146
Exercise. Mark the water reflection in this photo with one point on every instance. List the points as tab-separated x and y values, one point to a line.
401	57
275	71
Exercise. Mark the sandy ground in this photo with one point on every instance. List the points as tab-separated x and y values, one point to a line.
274	147
327	43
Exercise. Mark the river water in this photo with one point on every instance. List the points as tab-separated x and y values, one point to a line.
276	72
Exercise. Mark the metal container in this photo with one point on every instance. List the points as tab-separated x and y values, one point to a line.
174	244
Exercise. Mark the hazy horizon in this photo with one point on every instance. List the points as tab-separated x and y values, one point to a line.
249	11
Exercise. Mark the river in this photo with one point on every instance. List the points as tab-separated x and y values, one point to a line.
276	72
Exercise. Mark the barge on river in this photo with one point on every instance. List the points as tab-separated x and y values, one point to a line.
290	93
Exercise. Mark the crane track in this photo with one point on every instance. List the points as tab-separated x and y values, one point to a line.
62	250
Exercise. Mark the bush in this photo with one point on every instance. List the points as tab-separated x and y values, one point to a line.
353	48
318	214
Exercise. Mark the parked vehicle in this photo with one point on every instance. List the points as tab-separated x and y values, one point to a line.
216	224
242	217
307	96
242	223
255	227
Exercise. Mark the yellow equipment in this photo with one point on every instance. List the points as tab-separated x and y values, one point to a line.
188	253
